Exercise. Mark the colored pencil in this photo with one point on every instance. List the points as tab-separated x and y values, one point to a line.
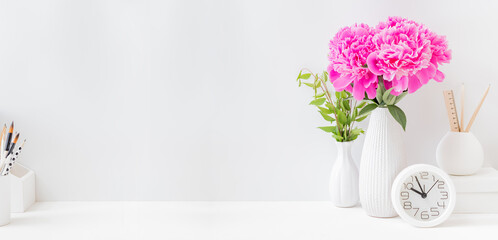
9	136
13	145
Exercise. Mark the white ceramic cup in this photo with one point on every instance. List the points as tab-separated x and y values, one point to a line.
459	153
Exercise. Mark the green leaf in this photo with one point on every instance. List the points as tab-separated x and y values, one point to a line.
398	115
361	118
299	76
330	106
320	95
391	100
353	137
357	131
388	98
326	117
338	138
309	84
345	105
305	76
367	109
319	84
338	95
328	129
380	92
317	102
401	96
325	75
325	110
336	131
362	104
344	94
341	117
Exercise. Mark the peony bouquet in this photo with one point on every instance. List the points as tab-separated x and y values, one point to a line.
385	63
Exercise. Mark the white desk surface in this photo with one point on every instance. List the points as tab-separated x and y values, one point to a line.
228	220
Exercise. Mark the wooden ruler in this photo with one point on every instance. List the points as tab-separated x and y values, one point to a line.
449	99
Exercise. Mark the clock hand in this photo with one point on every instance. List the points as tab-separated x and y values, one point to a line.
432	186
421	194
419	184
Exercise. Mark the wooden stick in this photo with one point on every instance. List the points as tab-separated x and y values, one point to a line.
477	110
462	107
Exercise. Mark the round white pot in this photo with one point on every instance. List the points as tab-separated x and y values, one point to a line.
343	185
382	158
460	153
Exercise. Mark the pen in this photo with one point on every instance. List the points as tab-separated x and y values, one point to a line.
12	160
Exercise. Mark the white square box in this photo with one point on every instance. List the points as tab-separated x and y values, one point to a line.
477	193
22	188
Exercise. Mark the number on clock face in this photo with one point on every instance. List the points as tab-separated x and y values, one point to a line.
424	195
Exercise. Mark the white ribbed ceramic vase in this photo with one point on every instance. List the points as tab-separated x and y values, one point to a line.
382	158
343	185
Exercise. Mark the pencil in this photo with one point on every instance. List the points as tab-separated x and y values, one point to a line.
9	136
2	141
13	145
477	110
11	160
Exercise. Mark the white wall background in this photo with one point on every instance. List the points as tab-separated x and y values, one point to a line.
197	100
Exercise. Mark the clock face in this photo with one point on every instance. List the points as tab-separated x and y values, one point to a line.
423	195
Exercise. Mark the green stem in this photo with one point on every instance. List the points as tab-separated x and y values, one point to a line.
352	109
327	94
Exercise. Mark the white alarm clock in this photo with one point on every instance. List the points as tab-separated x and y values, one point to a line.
423	195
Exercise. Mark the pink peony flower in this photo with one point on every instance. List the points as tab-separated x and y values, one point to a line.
347	70
407	55
440	53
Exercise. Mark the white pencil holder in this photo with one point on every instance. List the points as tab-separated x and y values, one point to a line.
4	200
22	188
460	153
